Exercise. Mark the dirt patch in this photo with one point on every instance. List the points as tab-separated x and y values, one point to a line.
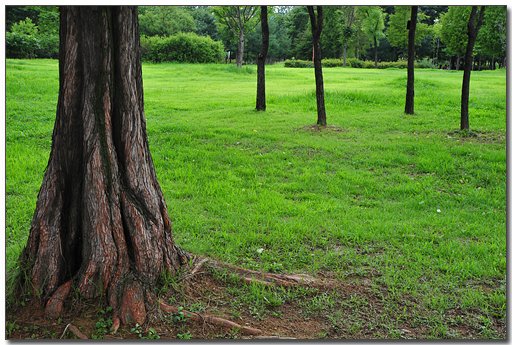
329	308
477	136
319	128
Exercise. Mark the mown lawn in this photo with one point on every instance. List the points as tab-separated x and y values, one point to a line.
405	201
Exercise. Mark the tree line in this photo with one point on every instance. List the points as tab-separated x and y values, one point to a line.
371	33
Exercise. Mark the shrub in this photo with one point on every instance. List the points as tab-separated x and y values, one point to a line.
355	63
183	47
299	63
48	47
332	63
368	64
425	63
20	46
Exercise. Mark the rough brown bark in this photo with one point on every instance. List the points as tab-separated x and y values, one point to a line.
262	56
101	223
316	28
472	33
409	97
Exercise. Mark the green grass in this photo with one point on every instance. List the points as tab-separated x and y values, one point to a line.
405	199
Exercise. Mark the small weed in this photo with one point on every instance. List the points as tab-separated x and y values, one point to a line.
102	328
180	316
196	307
186	335
152	334
10	327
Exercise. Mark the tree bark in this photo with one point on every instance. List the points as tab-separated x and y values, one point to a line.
101	223
240	52
472	33
316	26
345	54
376	56
262	56
409	97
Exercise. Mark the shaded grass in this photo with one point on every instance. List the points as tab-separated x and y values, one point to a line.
403	199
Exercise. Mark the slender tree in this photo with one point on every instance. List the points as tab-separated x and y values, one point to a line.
101	225
472	34
348	16
240	21
409	97
260	93
316	28
373	25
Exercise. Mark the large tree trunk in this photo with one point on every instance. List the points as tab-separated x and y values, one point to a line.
472	33
409	97
101	223
316	26
262	56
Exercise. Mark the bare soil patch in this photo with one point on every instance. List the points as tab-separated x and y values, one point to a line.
352	308
319	128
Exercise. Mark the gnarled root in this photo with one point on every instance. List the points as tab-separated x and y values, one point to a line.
56	302
211	319
250	276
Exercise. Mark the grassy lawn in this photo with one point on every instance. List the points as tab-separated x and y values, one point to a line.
403	201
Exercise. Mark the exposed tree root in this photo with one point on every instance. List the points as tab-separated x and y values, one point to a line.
75	330
250	276
135	299
211	319
116	322
56	302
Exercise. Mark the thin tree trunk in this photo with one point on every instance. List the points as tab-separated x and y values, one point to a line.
240	53
375	44
345	54
101	223
260	97
472	34
316	26
409	98
458	61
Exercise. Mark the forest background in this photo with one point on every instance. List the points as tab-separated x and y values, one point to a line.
198	34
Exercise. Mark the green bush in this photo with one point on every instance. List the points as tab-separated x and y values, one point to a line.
183	47
298	63
48	47
332	63
355	63
20	46
425	63
368	64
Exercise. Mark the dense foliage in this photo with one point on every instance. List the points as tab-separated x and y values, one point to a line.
350	32
33	37
182	47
